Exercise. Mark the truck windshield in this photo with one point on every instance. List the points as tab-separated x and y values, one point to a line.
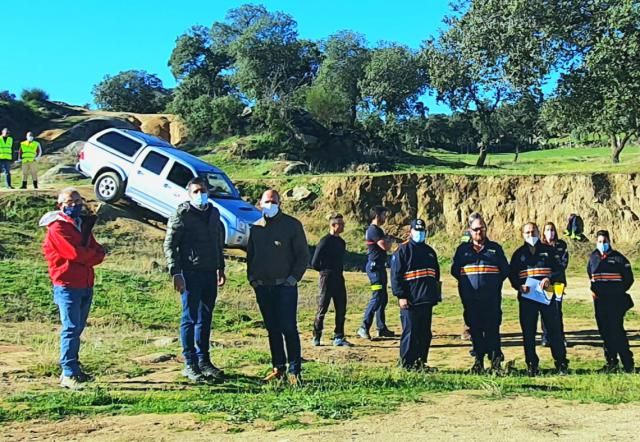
219	185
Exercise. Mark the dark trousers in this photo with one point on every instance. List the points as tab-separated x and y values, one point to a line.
379	298
610	313
5	166
483	316
529	312
332	287
198	302
279	305
545	335
416	335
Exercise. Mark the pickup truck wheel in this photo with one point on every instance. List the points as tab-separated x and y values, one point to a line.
109	187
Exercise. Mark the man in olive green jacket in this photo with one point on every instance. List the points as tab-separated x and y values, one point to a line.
277	257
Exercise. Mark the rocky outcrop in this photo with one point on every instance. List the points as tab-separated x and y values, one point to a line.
445	201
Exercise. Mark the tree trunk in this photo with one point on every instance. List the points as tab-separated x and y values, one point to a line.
515	159
484	150
353	116
617	145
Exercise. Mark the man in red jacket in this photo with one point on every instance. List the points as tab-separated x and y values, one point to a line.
71	252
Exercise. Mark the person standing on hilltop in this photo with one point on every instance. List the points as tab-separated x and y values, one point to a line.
6	155
611	277
533	270
277	257
377	247
480	267
71	252
328	260
415	281
30	152
194	246
550	238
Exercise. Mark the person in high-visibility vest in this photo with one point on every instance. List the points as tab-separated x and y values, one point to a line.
30	152
6	155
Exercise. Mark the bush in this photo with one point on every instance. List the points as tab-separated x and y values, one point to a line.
327	106
131	91
34	94
226	118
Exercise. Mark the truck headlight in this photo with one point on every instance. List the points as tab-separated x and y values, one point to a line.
242	226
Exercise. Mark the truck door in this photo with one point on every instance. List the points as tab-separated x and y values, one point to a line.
146	183
175	186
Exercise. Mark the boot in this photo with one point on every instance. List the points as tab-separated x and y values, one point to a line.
478	366
562	368
496	365
35	184
24	185
532	370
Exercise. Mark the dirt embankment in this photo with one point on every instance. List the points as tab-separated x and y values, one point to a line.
604	201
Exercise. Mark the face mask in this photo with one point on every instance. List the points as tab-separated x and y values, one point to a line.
30	138
532	241
603	247
199	200
418	235
72	211
269	210
550	235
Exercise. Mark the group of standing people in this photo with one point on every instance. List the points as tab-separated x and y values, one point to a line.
277	257
29	153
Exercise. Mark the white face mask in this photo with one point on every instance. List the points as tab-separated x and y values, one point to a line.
30	138
269	210
532	241
550	235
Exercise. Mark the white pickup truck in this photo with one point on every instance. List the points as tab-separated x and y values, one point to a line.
154	174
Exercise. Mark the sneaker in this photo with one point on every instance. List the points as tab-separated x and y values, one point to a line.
315	342
609	367
295	380
275	375
532	371
342	342
562	368
386	333
210	371
193	373
478	366
363	333
73	382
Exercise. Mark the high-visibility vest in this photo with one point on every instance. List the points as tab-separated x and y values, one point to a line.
5	148
29	151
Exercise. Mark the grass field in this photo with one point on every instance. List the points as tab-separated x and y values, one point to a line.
131	347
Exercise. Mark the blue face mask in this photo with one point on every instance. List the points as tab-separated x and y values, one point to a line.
603	248
199	200
418	235
72	211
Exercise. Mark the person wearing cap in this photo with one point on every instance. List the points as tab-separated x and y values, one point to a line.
328	260
480	267
537	261
415	281
378	244
30	152
611	277
6	155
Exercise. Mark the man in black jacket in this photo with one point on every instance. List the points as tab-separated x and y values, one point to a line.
480	268
611	276
535	262
194	250
415	281
328	259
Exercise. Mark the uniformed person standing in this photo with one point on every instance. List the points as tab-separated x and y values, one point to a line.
537	261
415	281
611	276
550	238
480	267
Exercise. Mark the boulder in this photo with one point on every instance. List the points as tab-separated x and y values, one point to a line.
296	167
155	358
158	126
61	172
74	148
300	193
88	128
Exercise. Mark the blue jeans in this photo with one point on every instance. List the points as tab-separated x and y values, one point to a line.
198	301
74	305
379	298
5	166
279	306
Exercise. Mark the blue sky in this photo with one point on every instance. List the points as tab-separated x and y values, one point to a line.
65	47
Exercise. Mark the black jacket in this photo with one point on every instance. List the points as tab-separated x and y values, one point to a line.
609	274
194	240
415	274
480	274
540	264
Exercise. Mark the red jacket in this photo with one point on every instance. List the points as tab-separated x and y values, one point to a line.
70	253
